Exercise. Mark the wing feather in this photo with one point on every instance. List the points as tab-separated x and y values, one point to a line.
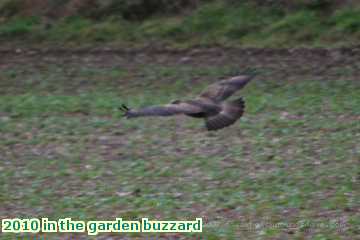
230	113
164	110
225	88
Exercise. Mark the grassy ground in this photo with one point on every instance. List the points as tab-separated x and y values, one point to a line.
292	160
214	23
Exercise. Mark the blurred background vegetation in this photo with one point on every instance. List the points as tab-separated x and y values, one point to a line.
289	169
181	23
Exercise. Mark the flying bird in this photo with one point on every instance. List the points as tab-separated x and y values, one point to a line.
209	105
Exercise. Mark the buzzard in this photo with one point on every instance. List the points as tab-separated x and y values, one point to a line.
209	105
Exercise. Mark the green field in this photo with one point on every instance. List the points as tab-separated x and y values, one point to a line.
248	23
292	160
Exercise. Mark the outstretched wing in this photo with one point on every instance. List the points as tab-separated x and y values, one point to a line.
231	112
222	90
164	110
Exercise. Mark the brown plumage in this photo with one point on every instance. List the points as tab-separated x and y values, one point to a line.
209	105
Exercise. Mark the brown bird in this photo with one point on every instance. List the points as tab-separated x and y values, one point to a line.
209	105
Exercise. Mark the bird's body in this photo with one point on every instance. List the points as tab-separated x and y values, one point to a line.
209	105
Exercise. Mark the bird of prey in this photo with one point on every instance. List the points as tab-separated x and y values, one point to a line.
209	105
